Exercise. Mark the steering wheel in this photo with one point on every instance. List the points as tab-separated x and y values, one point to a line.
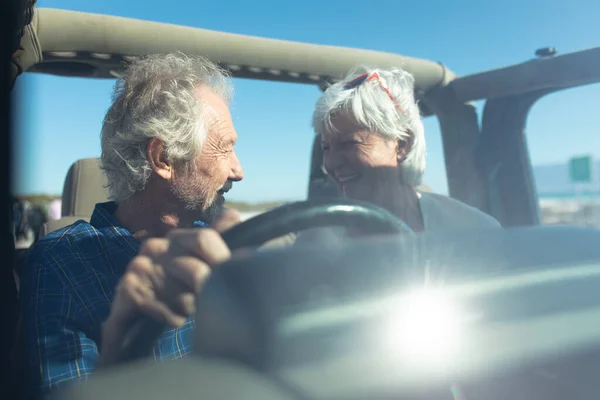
289	218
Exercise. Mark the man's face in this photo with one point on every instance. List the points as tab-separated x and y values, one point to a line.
201	185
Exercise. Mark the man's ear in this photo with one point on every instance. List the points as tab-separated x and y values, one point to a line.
404	147
157	158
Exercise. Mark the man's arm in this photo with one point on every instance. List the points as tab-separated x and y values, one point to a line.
57	350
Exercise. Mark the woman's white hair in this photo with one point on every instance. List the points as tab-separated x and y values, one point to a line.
155	99
370	106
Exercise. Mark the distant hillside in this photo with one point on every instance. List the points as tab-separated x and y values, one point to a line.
44	199
243	207
554	179
37	199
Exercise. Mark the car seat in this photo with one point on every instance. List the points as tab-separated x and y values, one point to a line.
85	186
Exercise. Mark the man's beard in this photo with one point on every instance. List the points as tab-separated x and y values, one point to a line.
206	206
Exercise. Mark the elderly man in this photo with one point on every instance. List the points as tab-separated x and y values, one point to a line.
168	153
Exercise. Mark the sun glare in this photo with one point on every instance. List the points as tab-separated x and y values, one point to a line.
426	326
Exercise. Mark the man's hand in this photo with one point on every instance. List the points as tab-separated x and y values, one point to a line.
163	279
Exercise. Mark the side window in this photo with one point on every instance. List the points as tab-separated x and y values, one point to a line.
564	146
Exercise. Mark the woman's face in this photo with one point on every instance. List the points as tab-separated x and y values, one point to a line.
362	163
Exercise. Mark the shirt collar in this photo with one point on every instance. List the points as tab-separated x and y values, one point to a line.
103	219
103	215
200	224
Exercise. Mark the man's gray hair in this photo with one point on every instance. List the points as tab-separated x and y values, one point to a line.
155	99
369	105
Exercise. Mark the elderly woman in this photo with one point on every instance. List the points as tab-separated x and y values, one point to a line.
374	150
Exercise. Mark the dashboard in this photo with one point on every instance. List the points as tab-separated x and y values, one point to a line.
491	314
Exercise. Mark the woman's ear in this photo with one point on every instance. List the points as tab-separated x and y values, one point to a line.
404	146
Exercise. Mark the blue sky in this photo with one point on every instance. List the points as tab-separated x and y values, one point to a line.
60	120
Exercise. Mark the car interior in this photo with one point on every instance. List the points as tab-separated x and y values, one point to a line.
322	322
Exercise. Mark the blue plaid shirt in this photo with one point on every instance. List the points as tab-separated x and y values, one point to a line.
67	286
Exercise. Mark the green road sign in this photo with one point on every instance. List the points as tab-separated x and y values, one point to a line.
580	169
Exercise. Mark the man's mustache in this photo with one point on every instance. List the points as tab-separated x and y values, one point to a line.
226	187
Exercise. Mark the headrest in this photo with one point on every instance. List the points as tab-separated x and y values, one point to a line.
85	185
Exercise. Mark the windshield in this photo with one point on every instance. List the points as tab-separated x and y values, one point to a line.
59	119
449	137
